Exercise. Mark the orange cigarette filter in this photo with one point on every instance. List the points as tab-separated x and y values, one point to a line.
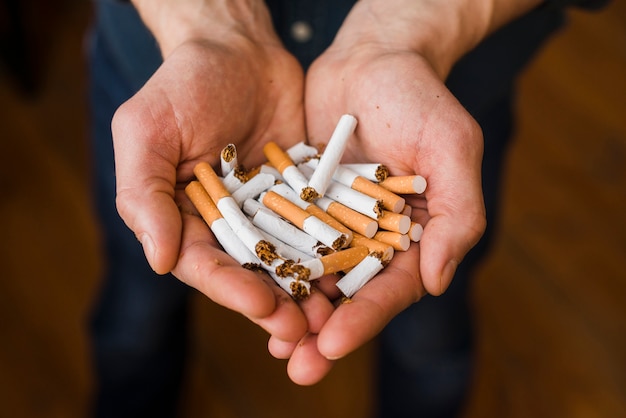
203	202
285	208
329	219
344	259
398	241
210	181
354	220
277	157
395	222
404	184
391	201
373	245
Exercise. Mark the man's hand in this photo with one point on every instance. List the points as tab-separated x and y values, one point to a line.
215	87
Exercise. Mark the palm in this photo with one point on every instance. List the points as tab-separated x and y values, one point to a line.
410	122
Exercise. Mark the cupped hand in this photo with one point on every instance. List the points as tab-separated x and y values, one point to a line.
410	122
205	95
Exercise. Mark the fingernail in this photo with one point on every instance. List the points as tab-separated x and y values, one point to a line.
448	274
148	246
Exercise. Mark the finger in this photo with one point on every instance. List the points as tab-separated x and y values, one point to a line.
306	365
281	349
358	321
214	273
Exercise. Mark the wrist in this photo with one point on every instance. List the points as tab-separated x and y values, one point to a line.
174	22
441	32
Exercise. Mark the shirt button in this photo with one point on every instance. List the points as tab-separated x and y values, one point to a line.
301	31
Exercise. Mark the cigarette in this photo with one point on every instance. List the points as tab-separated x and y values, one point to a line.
271	223
228	159
415	232
289	194
362	273
301	152
398	241
335	262
231	212
349	197
223	233
391	201
372	245
329	160
285	250
371	171
395	222
323	232
236	178
354	220
281	161
405	184
408	209
253	187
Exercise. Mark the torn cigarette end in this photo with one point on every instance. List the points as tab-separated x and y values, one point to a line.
405	184
229	153
266	252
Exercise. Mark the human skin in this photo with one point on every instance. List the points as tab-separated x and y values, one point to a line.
226	79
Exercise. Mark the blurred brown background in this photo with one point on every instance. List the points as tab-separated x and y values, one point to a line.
550	300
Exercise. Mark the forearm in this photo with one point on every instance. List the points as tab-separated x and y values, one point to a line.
174	22
442	31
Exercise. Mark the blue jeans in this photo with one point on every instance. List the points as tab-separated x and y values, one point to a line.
139	323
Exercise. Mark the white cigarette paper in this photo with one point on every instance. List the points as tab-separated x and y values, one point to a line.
362	273
371	171
335	148
253	187
301	152
349	197
276	226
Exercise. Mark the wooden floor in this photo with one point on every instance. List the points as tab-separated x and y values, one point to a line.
550	299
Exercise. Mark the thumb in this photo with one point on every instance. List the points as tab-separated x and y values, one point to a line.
446	239
145	167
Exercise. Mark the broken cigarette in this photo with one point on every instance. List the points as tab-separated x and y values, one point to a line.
292	175
354	220
237	220
290	194
223	233
301	152
310	224
329	160
349	197
405	184
253	187
371	171
335	262
362	273
228	159
391	201
271	223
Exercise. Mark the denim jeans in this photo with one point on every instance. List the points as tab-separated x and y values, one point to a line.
139	323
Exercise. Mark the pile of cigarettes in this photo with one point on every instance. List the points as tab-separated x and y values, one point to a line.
303	215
